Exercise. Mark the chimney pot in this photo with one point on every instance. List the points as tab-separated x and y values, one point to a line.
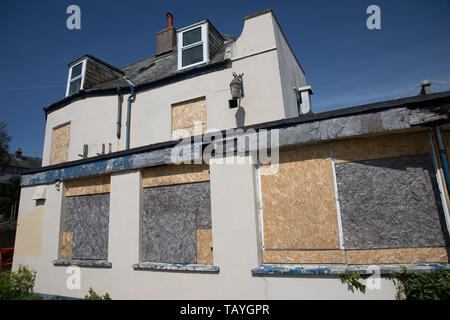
426	87
19	153
169	20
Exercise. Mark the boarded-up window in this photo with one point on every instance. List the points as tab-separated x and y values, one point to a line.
176	226
86	219
189	118
299	208
60	144
390	202
390	205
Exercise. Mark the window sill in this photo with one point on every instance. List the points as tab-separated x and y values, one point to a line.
83	263
337	269
176	267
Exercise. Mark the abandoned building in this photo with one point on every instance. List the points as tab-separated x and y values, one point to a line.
352	190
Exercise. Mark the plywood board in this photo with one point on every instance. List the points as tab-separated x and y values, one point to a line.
67	245
204	246
29	233
380	147
60	144
408	255
299	206
85	186
299	256
174	174
186	115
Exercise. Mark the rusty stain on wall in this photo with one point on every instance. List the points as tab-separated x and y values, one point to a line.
188	115
299	207
174	174
204	246
60	144
85	186
380	147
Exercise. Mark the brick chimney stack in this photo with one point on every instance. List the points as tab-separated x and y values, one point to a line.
166	39
18	153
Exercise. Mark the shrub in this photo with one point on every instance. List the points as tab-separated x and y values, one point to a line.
423	286
92	295
17	285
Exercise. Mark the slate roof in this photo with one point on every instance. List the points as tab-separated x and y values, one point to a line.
157	67
24	162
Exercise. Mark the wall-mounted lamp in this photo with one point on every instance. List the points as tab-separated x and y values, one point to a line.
237	90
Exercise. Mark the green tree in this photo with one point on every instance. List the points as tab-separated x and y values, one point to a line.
5	139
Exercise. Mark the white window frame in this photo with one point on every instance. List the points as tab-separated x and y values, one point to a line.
204	41
81	76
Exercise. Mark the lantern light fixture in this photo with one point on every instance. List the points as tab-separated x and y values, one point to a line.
237	87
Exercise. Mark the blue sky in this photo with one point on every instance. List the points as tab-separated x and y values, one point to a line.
345	63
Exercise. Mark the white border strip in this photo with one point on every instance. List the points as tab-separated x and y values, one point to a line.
260	207
336	196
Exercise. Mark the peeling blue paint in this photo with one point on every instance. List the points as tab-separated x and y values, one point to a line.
337	269
176	267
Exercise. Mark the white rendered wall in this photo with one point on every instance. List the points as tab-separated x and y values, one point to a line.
235	242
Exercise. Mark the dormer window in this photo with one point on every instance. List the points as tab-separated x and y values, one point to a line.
75	80
193	45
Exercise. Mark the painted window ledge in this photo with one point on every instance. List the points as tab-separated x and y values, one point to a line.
336	269
176	267
83	263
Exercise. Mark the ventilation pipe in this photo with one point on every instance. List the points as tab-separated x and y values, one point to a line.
304	99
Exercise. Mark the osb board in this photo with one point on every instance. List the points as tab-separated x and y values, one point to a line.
298	256
204	246
380	147
174	174
299	206
189	132
408	255
67	245
29	233
60	144
187	114
92	185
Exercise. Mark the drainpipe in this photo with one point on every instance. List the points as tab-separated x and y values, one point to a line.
119	112
131	99
442	153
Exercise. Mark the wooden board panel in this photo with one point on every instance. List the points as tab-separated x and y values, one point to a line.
91	185
204	246
29	233
67	245
446	138
299	256
381	147
408	255
299	206
174	174
60	144
188	114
